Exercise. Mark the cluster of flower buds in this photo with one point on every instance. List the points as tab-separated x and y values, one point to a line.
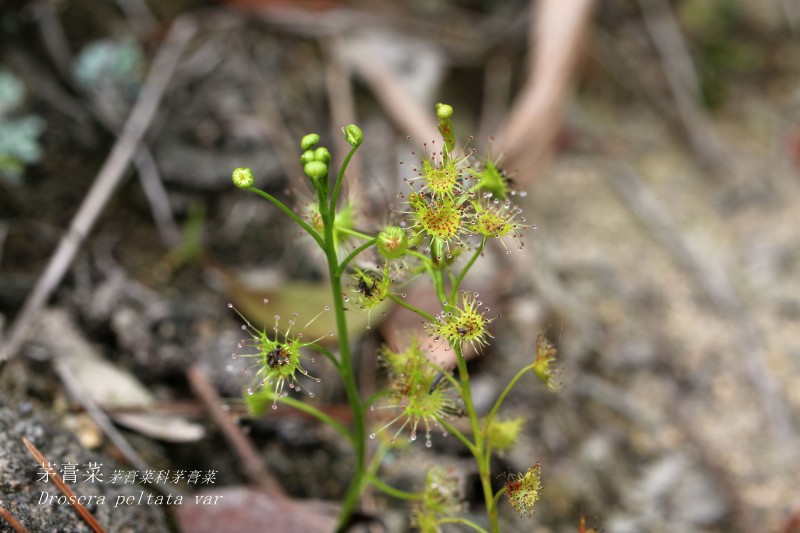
315	162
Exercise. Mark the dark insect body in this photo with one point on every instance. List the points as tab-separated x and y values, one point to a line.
278	356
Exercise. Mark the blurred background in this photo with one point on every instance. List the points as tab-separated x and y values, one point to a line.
657	143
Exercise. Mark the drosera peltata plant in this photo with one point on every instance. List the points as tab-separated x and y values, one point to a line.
452	208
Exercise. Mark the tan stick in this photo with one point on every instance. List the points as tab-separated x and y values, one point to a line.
64	488
253	465
15	524
557	34
109	177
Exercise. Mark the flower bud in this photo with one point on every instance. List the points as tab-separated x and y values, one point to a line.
392	243
307	157
353	135
502	435
492	179
308	141
444	111
315	170
322	154
243	177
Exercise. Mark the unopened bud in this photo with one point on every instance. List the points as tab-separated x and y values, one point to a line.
308	141
243	177
444	111
392	242
353	135
315	170
322	154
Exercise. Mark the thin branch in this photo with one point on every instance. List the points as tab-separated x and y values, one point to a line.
58	49
682	80
253	466
12	521
108	179
63	487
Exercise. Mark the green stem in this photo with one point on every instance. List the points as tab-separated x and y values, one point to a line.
457	283
393	492
399	301
316	413
496	499
478	449
353	255
505	392
339	178
460	436
466	392
462	521
300	222
437	276
357	483
326	352
353	233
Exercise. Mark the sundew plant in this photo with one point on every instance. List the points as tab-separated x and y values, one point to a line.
452	208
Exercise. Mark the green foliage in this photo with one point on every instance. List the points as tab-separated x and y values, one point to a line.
108	63
19	144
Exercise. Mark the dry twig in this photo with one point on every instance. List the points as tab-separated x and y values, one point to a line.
58	48
407	113
63	487
12	521
557	34
275	128
682	80
109	177
253	465
343	110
